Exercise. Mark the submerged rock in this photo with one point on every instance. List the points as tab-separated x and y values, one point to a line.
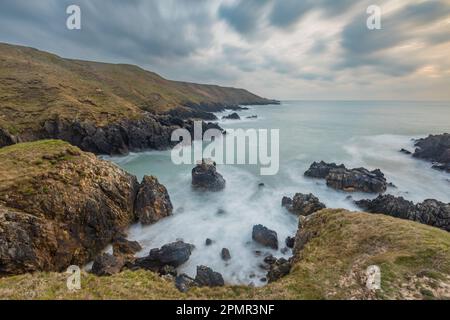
206	277
265	236
341	178
233	116
107	265
290	242
303	204
152	201
208	242
430	212
173	254
205	177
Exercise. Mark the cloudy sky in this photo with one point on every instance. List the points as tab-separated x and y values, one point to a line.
284	49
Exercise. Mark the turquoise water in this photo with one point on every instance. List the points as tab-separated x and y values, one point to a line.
368	134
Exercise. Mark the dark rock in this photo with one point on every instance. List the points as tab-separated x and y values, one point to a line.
152	201
290	242
122	246
263	279
341	178
265	237
233	116
252	117
205	177
284	250
206	277
278	269
173	254
303	204
221	212
270	259
435	148
261	185
168	271
107	265
405	151
208	242
183	282
225	254
430	212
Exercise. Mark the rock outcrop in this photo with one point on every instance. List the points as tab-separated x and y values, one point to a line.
341	178
107	265
152	201
124	247
278	269
302	204
173	254
59	206
265	236
435	148
430	212
206	277
233	116
206	178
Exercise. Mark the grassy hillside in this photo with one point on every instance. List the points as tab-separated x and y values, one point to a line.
414	261
35	86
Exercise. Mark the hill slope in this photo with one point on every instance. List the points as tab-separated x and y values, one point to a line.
36	86
337	248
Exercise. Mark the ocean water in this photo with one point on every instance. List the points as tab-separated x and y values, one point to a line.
359	134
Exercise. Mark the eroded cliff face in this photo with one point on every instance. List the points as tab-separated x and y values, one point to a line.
60	206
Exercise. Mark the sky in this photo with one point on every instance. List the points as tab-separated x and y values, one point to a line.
281	49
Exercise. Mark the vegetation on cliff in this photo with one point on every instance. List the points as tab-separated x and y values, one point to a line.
333	250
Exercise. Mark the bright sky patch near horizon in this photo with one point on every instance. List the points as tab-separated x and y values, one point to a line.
283	49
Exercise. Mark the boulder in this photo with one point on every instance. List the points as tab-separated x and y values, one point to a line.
279	269
225	254
173	254
341	178
233	116
206	178
206	277
430	212
152	201
265	236
183	282
122	246
107	265
208	242
290	242
303	204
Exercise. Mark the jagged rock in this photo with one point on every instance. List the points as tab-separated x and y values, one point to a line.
265	237
73	206
405	151
206	277
183	282
225	254
280	268
122	246
107	265
341	178
233	116
290	242
303	204
205	177
152	201
431	212
173	254
435	148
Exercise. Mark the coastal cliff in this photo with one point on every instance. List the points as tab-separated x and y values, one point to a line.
90	103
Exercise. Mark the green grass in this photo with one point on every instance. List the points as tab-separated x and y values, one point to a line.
414	261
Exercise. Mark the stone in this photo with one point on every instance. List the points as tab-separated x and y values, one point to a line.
280	268
265	236
206	277
303	204
225	254
206	178
173	254
107	265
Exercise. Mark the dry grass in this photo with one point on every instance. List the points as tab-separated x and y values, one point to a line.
414	261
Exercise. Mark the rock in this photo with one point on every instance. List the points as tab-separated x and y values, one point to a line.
341	178
173	254
152	201
290	242
431	212
206	277
435	148
280	268
261	185
122	246
168	271
205	177
59	207
208	242
284	250
265	237
233	116
225	254
183	282
252	117
405	151
107	265
270	259
221	212
303	204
